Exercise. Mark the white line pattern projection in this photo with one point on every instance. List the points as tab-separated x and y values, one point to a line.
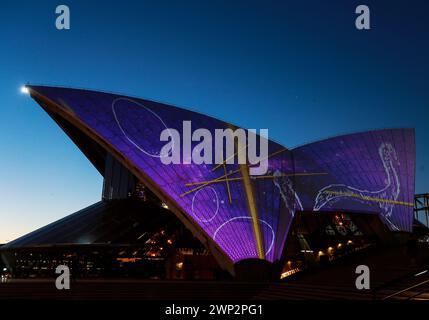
216	199
249	220
149	153
335	192
289	196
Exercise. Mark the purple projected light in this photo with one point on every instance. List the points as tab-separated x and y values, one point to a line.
369	172
133	126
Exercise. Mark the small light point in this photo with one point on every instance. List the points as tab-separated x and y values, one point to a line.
25	90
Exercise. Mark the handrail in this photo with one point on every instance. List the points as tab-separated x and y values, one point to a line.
404	290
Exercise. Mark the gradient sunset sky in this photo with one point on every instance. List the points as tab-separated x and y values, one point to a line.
299	68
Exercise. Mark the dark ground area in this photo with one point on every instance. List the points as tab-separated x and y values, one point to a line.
392	269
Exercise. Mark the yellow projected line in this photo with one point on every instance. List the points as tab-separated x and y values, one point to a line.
229	158
253	178
358	196
227	184
251	203
223	178
274	154
205	183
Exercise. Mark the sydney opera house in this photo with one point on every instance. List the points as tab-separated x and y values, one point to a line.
316	203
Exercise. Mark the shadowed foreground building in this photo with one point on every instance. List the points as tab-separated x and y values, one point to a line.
316	202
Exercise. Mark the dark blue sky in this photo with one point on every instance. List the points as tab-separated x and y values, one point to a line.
298	68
